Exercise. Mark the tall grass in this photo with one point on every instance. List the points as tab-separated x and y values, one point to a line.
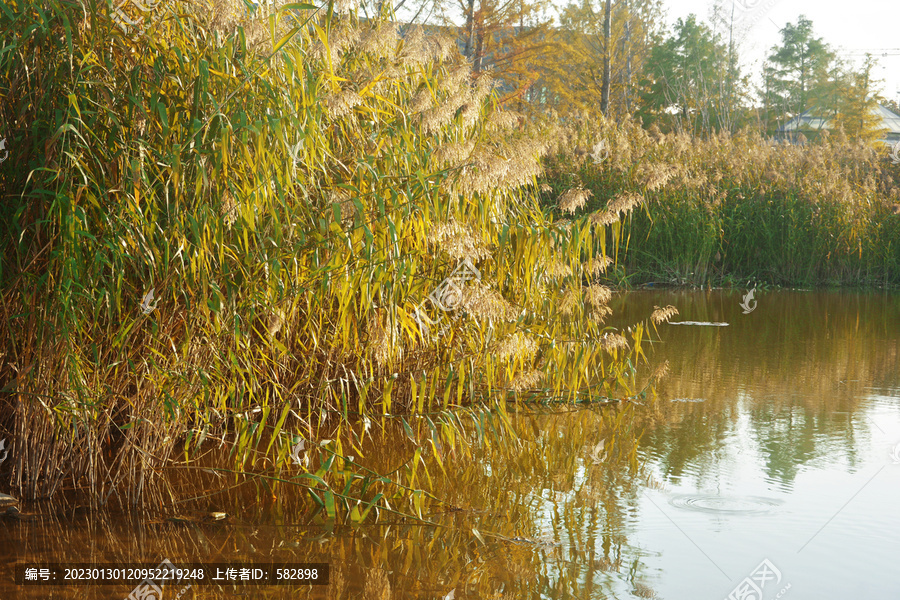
735	208
292	185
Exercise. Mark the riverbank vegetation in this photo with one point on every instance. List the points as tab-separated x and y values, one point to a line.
728	209
691	134
281	227
264	230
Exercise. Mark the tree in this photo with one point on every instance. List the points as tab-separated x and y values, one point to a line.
804	75
508	37
604	89
512	38
733	111
890	104
596	71
796	68
683	88
855	108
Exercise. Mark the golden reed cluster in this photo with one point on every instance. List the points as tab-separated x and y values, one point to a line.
734	205
649	161
661	315
299	248
458	241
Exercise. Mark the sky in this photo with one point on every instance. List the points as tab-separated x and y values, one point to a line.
850	28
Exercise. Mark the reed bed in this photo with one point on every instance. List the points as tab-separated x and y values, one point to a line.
338	225
734	208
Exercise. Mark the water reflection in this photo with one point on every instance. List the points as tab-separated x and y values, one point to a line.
772	440
800	407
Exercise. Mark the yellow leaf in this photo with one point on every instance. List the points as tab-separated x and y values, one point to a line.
286	39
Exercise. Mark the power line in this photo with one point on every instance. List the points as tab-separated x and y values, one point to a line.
872	51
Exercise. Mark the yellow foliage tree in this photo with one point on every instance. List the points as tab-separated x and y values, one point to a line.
572	79
857	104
509	39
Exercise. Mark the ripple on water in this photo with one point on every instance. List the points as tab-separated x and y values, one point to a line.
729	505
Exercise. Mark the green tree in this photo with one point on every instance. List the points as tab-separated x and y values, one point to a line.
795	69
844	98
686	86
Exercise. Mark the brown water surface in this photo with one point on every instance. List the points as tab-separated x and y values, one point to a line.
771	459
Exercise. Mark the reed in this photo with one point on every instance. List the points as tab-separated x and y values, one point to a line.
737	208
297	188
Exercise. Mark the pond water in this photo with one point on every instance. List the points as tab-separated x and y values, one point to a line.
787	447
770	463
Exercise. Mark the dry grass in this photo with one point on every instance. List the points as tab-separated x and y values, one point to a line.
738	206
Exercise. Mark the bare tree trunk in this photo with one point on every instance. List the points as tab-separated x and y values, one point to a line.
521	32
728	113
470	28
628	55
766	100
604	91
479	50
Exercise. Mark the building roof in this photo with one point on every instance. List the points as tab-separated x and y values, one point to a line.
889	121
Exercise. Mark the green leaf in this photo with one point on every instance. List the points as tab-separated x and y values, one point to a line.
279	424
329	504
163	116
315	497
408	430
326	466
370	505
74	102
314	477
